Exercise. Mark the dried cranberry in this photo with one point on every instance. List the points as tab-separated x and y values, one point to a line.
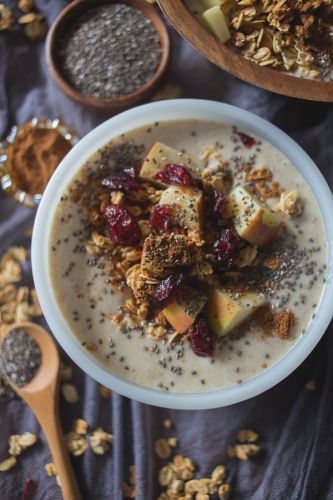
167	289
224	248
123	181
27	490
219	203
247	140
201	338
160	218
174	174
122	226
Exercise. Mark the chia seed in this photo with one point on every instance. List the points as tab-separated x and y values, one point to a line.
109	51
20	357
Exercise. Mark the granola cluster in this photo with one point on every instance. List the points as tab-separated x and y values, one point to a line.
287	35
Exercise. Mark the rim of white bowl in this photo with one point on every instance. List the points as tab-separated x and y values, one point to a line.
180	109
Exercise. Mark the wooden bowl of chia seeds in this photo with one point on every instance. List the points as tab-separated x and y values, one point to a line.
108	55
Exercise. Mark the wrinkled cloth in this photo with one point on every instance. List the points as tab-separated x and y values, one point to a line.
295	424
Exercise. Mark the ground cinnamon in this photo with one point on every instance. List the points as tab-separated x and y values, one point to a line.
283	322
34	156
274	322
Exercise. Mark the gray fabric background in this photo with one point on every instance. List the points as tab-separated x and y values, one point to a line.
296	425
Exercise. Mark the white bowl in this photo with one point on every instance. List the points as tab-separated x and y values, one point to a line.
144	115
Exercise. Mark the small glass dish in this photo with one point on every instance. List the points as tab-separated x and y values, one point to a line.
6	181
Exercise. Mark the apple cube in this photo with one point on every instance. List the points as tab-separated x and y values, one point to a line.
227	309
161	155
187	205
182	311
253	221
215	21
195	6
224	4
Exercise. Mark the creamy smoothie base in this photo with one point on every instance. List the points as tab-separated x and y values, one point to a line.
81	280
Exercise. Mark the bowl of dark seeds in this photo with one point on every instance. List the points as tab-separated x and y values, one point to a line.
108	55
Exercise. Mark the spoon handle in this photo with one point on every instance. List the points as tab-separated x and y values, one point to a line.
48	417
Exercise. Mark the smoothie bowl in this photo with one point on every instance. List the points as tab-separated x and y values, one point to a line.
182	254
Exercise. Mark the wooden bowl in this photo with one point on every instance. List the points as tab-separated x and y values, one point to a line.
116	104
227	59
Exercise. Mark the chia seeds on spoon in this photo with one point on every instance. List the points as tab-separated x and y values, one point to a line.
110	51
20	357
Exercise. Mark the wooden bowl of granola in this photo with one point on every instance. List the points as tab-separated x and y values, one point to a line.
233	62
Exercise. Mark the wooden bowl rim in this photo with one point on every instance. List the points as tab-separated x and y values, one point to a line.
232	62
115	102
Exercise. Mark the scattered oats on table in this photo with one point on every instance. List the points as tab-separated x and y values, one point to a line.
66	372
80	426
162	448
247	436
26	5
167	423
8	464
168	91
311	385
100	441
129	489
16	304
243	451
177	478
105	392
173	441
50	469
76	444
70	393
19	442
6	18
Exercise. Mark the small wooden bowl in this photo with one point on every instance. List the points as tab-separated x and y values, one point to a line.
227	59
117	104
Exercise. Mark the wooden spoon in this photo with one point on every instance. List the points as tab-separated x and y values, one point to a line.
41	394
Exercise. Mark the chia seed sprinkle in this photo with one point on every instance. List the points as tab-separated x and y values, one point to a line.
109	51
20	357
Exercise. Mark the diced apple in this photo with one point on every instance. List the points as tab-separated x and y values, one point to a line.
187	204
182	311
226	309
195	6
253	221
224	4
161	155
215	20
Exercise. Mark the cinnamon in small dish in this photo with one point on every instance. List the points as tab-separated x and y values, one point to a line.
34	156
30	154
